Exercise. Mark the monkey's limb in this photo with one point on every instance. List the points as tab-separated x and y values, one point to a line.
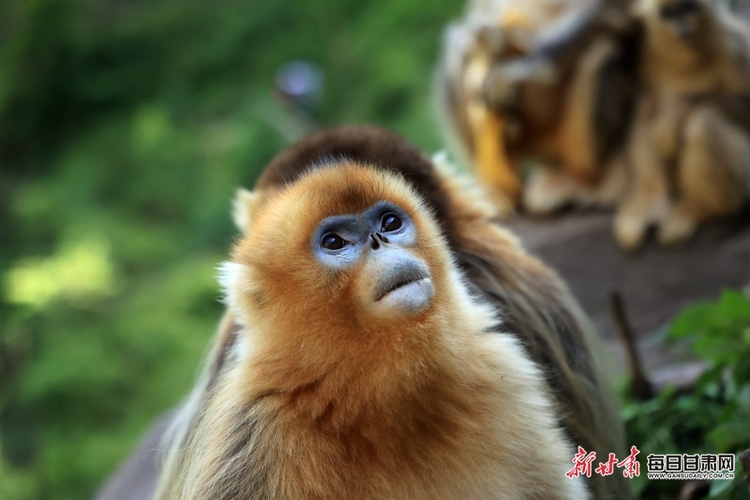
578	135
548	189
494	166
648	201
487	130
713	176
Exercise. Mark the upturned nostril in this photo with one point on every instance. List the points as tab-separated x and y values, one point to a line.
374	243
382	238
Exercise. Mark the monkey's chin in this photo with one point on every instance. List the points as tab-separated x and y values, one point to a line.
406	301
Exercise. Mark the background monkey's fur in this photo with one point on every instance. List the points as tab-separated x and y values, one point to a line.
690	147
620	111
563	97
534	306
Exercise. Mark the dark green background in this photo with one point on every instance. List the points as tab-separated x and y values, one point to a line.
125	126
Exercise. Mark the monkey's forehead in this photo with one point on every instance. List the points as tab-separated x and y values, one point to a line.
348	188
288	218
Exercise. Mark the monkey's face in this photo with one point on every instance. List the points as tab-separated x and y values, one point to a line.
376	248
345	248
681	21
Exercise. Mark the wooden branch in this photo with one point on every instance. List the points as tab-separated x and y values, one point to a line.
640	387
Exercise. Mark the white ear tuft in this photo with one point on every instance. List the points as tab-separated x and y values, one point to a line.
230	273
243	208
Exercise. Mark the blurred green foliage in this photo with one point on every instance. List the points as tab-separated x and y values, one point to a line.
124	128
715	416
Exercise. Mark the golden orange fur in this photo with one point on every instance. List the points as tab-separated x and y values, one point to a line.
309	396
354	407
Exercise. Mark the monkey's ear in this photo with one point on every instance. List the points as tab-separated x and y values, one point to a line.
243	208
231	277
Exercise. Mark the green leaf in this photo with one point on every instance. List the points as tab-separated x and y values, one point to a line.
719	350
734	307
693	320
726	437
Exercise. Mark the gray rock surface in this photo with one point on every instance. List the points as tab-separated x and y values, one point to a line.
655	283
137	478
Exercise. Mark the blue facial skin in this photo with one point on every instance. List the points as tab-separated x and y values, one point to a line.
392	283
358	232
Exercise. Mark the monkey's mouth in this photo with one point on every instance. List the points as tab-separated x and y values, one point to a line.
400	279
398	285
403	289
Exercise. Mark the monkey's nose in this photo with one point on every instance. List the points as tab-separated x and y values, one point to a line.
382	238
376	239
374	243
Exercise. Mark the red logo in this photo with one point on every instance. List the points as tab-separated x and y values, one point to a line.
582	461
582	464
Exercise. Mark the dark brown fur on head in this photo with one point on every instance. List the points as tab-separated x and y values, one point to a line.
363	144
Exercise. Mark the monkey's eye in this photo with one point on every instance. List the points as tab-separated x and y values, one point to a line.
390	222
332	241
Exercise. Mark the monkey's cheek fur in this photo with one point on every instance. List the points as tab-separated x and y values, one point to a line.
406	301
